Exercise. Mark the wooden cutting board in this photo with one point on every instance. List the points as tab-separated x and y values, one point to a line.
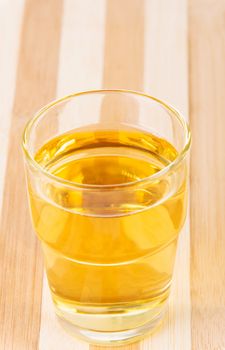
173	49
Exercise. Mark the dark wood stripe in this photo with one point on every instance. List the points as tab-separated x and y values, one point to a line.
123	63
20	258
207	111
124	44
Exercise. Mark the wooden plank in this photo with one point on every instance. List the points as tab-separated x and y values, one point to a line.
207	107
124	45
82	46
166	76
166	51
21	267
8	61
80	68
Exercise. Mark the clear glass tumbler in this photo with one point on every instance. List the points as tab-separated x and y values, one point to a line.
107	180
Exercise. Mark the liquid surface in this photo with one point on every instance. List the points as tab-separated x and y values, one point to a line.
111	245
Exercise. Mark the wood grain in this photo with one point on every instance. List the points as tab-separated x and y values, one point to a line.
207	107
9	46
123	55
21	267
124	44
82	46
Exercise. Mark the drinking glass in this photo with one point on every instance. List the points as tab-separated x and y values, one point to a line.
107	180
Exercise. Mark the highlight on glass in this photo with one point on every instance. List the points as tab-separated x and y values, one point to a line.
107	181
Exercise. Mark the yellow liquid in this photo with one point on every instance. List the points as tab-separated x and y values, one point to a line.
112	246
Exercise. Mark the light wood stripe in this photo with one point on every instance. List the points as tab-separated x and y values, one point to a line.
20	260
8	62
82	45
166	76
207	83
166	51
80	68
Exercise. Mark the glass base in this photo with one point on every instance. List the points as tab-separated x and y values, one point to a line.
104	326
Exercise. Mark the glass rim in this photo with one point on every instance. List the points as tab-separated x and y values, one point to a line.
40	113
